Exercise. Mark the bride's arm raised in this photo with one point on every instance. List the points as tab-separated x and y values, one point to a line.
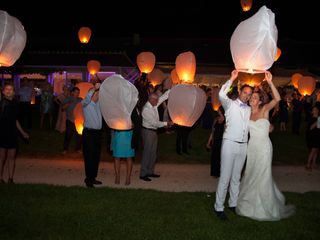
275	93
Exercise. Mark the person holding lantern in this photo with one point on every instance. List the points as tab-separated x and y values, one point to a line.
91	136
259	197
234	144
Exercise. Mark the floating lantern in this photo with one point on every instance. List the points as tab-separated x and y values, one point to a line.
78	118
215	98
186	104
93	67
246	5
146	62
306	85
253	44
12	39
295	79
186	67
117	97
156	77
84	88
174	77
84	34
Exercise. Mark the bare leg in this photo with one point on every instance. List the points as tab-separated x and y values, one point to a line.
117	170
312	155
11	157
3	158
129	171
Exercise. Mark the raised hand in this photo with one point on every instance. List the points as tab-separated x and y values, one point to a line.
234	75
268	77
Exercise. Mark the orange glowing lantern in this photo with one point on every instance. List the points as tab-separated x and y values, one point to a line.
306	85
186	104
146	62
33	99
246	5
156	77
278	54
84	34
84	88
12	39
295	79
215	98
251	79
93	67
78	118
174	77
117	97
186	66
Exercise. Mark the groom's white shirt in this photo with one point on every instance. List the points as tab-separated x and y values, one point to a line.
237	116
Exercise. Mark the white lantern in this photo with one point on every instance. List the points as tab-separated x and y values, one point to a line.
117	97
186	104
12	39
253	44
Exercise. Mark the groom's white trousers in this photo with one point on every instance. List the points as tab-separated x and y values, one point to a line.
233	156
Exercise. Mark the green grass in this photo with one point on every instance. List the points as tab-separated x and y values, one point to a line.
52	212
44	143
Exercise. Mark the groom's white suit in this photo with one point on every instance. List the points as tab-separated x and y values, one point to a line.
234	147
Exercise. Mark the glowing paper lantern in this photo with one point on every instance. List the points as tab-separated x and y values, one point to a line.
146	62
84	34
253	43
251	79
156	77
174	77
295	79
186	104
278	54
306	85
246	5
215	98
117	97
78	118
12	39
93	67
33	99
186	66
84	88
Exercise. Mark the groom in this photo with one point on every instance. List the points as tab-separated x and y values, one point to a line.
234	144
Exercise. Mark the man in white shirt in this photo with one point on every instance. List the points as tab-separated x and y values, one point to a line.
150	124
234	144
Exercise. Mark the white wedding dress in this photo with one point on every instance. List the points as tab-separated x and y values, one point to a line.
259	197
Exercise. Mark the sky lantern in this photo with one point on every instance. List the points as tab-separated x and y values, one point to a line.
250	78
84	34
174	77
84	88
306	85
215	98
12	39
278	54
186	104
156	77
146	62
295	79
78	118
246	5
253	43
117	97
186	67
33	99
93	67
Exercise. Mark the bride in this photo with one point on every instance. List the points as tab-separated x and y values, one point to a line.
259	196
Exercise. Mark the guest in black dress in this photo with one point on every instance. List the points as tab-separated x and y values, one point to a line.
215	141
9	127
313	139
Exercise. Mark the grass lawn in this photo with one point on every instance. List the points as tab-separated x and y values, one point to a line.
52	212
45	143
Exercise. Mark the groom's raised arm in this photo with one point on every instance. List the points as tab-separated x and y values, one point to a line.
223	97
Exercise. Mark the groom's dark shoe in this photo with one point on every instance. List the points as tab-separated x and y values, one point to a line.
233	209
221	215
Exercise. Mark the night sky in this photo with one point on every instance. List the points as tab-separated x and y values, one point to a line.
297	21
